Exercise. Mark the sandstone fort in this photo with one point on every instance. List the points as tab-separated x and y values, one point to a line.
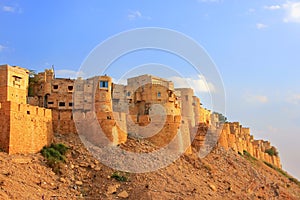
33	109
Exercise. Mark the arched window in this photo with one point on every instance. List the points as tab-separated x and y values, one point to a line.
158	94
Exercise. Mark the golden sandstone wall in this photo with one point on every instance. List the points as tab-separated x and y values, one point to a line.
30	127
93	111
13	84
57	95
234	136
146	101
24	128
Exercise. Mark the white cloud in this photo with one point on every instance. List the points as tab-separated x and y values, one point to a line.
198	84
8	9
261	26
256	98
251	10
294	99
292	12
273	7
2	48
133	15
11	9
66	73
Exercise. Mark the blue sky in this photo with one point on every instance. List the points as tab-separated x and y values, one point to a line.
255	45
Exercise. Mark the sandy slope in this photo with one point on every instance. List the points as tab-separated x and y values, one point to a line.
221	175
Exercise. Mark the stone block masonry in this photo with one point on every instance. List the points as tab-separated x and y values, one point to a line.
146	101
24	128
235	137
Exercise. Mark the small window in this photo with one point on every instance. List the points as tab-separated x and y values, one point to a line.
28	112
50	102
17	78
158	94
71	104
103	84
128	94
186	97
70	87
62	104
55	87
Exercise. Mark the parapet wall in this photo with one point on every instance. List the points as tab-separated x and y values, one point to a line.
63	122
234	136
24	128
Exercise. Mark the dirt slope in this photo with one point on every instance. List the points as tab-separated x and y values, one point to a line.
221	175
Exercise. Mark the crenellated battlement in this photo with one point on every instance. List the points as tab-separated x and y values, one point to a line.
25	128
238	138
147	107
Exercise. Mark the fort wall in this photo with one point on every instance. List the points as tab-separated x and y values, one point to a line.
147	107
25	128
235	137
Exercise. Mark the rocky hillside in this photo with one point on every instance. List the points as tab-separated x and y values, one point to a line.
221	175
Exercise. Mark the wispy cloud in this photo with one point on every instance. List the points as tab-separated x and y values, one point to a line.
256	98
133	15
292	12
251	10
2	48
66	73
273	7
198	84
294	99
11	9
8	9
261	26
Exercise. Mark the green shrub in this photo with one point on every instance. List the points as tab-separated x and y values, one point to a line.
55	154
294	180
60	147
52	153
272	151
248	156
119	177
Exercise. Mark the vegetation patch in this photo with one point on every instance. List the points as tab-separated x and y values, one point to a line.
55	155
272	151
119	177
283	173
248	156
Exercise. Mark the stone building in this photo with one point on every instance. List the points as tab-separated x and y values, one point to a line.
93	111
153	111
87	100
147	107
24	128
57	95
